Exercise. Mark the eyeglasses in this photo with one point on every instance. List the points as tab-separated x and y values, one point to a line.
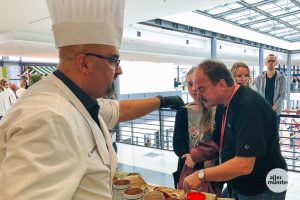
113	60
271	60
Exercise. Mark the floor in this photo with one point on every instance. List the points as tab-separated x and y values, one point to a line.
156	166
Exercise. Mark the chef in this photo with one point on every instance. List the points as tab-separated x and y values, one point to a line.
54	142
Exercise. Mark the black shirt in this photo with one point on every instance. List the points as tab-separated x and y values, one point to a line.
250	131
90	104
269	90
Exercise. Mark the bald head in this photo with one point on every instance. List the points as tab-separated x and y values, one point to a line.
88	67
68	54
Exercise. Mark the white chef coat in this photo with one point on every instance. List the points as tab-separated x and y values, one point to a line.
52	149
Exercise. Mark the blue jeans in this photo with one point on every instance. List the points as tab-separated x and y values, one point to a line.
267	195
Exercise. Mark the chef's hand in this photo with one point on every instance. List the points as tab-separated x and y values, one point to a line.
188	160
191	182
173	102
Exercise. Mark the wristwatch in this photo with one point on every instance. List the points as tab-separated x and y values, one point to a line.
201	175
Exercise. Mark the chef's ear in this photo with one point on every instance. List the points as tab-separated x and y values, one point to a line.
82	63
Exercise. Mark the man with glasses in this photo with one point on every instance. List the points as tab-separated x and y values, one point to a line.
54	142
272	85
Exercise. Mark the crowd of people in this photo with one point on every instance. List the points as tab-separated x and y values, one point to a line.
60	142
9	93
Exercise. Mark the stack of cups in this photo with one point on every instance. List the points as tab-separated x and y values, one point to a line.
133	194
119	186
154	195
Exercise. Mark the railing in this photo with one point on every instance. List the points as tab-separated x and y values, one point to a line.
289	133
155	130
295	87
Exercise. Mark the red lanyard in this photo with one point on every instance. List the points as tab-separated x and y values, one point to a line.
225	117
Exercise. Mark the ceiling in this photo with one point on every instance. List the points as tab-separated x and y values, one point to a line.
25	30
276	18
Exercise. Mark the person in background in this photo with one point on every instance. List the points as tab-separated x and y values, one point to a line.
6	98
192	139
22	89
12	97
55	136
175	83
245	132
27	77
272	85
1	100
241	73
4	101
293	84
13	87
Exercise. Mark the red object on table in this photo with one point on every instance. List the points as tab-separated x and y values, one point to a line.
195	196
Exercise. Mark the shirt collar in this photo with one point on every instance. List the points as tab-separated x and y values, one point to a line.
87	101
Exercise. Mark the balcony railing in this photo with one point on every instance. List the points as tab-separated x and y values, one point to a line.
155	130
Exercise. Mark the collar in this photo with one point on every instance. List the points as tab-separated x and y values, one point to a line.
87	101
278	74
235	89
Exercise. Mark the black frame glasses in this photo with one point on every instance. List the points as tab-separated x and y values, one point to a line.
113	59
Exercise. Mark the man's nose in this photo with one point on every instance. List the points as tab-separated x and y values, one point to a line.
118	72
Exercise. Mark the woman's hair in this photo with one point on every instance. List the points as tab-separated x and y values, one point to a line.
190	72
236	65
207	119
3	83
207	114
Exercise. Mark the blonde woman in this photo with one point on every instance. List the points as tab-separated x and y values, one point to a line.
192	138
241	73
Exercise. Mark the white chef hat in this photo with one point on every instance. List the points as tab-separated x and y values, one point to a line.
78	22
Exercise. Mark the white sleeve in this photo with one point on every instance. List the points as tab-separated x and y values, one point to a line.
109	111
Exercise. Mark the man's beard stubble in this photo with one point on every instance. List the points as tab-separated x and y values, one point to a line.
110	93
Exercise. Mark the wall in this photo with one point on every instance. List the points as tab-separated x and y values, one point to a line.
146	77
